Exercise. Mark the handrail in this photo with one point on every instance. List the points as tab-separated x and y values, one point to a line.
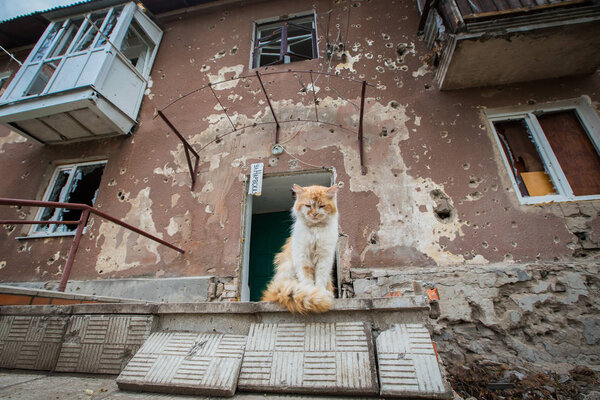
80	225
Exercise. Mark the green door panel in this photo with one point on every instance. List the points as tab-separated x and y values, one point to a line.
268	233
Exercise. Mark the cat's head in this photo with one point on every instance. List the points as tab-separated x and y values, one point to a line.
315	204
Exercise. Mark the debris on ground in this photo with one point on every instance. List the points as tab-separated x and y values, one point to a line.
488	380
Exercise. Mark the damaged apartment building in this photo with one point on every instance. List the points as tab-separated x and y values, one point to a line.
464	136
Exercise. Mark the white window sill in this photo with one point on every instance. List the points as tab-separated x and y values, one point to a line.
47	235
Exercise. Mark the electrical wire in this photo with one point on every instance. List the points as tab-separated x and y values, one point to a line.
303	162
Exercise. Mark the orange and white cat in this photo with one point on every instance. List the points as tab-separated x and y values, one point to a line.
302	281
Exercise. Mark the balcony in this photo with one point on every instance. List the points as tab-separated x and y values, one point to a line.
85	78
483	42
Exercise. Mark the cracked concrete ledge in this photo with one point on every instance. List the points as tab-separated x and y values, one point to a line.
408	303
15	290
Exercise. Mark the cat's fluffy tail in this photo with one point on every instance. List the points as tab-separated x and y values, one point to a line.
298	297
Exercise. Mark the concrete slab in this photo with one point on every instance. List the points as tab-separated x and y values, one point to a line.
30	342
321	358
169	290
13	378
102	344
61	387
408	365
81	387
186	363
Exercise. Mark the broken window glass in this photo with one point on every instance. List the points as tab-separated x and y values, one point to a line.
42	78
78	183
137	47
90	31
523	156
285	41
108	28
71	29
45	46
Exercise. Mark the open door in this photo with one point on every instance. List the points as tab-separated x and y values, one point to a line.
269	223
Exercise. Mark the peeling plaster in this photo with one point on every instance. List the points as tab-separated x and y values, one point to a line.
224	74
179	223
12	137
120	245
349	64
2	264
399	203
422	71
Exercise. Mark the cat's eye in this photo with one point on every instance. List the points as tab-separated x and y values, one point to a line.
307	205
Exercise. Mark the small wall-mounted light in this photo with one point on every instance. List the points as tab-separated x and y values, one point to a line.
277	149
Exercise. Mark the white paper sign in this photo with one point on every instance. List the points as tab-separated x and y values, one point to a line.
256	177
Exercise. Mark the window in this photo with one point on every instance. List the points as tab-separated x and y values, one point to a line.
137	47
67	38
4	77
285	41
551	151
85	78
73	183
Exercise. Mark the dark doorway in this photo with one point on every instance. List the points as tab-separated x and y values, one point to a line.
270	224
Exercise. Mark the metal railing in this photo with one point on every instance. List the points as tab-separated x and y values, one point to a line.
81	223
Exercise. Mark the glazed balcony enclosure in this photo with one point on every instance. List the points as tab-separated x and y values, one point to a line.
85	77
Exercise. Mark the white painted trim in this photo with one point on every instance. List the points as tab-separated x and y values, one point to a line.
247	229
589	121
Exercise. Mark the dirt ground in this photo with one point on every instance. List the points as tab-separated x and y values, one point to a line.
494	381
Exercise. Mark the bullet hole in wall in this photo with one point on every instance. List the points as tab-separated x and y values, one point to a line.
443	210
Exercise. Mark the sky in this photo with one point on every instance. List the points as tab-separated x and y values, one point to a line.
14	8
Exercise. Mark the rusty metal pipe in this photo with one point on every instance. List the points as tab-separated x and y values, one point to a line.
363	169
73	250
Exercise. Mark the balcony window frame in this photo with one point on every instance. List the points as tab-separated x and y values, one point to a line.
35	231
281	34
590	122
63	25
117	34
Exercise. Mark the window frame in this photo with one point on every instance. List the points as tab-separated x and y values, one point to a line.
33	231
590	122
63	24
4	80
283	22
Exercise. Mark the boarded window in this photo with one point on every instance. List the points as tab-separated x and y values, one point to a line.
285	41
551	153
75	183
576	154
524	158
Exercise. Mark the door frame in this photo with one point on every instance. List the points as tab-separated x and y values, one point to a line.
244	273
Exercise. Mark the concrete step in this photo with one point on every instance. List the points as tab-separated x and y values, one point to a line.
334	352
290	358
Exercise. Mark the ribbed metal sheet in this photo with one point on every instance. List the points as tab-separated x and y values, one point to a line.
102	344
30	342
322	358
408	364
186	363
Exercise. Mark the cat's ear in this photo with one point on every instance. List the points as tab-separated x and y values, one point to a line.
332	191
297	188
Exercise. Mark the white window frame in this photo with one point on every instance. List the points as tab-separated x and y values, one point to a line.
51	232
278	20
589	121
4	76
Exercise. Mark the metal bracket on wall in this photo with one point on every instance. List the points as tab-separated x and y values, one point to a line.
276	121
187	147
